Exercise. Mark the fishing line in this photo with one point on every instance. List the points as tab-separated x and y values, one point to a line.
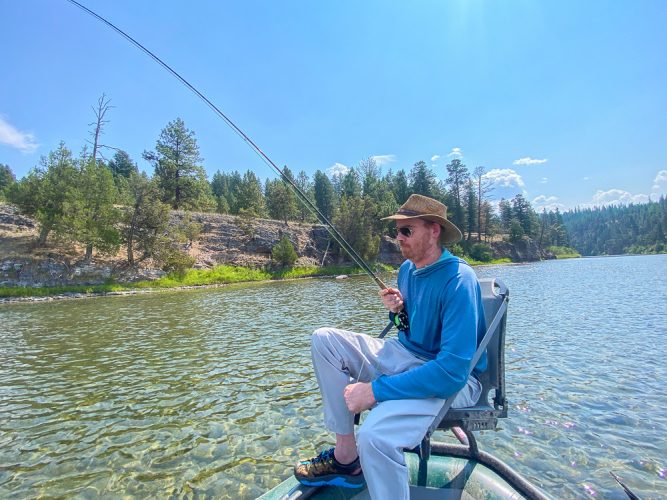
301	195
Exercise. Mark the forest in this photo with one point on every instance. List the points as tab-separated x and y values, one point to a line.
102	204
613	230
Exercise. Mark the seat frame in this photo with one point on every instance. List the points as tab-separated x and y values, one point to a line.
485	414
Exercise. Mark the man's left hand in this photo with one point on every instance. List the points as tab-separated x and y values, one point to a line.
359	397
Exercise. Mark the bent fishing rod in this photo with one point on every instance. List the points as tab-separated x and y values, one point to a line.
287	179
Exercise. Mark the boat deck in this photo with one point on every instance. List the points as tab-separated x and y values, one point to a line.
447	478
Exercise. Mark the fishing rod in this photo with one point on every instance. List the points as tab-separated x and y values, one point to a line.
288	180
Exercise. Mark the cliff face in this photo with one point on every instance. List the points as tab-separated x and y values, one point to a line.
224	239
522	251
229	239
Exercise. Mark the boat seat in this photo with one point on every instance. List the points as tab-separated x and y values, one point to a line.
492	403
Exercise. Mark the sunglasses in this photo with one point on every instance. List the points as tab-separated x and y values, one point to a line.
405	231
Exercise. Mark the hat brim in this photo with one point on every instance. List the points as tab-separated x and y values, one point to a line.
452	233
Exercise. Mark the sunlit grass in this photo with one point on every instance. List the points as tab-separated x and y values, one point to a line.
219	275
198	277
473	262
564	252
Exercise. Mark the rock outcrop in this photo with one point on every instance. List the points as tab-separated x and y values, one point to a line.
525	250
224	239
240	241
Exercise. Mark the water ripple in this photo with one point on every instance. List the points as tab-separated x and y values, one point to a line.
211	393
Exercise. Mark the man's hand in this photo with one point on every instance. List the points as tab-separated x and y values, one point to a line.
359	397
392	299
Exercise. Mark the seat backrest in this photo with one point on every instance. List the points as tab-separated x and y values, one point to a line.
485	414
494	292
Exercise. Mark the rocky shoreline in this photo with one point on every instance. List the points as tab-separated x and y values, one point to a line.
224	239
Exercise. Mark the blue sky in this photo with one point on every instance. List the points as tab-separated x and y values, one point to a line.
563	101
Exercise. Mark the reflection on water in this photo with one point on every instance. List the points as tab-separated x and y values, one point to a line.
210	393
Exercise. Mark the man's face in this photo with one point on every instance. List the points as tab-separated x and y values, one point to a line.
421	240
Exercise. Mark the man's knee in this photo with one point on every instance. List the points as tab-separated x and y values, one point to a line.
369	439
319	338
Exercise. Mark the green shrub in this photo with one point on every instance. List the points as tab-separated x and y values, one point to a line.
516	231
457	250
175	261
283	253
563	252
481	252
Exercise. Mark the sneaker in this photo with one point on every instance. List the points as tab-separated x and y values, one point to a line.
324	470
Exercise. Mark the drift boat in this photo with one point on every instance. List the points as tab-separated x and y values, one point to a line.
451	473
443	470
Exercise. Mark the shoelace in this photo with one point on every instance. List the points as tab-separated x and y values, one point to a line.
324	456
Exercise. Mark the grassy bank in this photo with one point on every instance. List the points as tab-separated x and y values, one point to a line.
564	252
219	275
474	262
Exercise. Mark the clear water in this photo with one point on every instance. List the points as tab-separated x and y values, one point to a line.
210	393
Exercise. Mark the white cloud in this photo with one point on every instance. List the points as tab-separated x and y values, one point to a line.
529	161
435	157
544	180
585	178
383	159
506	183
14	138
548	203
617	197
660	183
456	152
542	199
504	177
337	169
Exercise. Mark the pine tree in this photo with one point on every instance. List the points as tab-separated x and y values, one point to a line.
422	180
90	216
350	185
355	220
280	200
457	177
304	184
145	219
324	194
505	210
7	179
176	161
249	197
283	252
400	187
121	165
46	191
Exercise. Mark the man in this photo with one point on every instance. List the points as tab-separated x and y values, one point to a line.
438	310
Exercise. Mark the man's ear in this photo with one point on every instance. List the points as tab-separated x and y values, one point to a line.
437	230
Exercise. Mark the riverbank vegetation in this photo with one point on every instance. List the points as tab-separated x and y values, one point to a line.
219	275
104	206
613	230
563	252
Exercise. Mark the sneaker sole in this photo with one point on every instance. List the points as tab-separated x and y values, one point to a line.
340	481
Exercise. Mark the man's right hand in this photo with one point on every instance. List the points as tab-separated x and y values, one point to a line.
392	299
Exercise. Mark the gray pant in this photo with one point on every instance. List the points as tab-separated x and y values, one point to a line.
341	357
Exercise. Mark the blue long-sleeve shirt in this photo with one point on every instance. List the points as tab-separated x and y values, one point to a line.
446	316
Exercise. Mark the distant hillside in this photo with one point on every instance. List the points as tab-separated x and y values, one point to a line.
614	230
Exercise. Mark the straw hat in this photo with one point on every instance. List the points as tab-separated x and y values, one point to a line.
423	207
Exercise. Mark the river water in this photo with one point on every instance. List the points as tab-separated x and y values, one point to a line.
210	393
